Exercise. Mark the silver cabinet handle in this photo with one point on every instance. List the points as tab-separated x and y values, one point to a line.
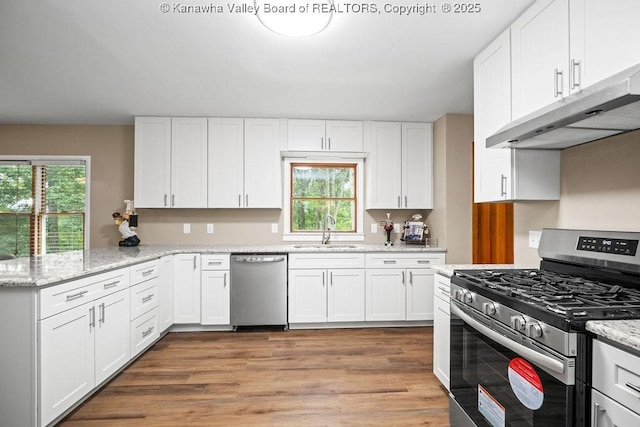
111	284
329	142
633	387
575	73
147	332
92	319
224	285
389	261
405	201
165	200
173	200
76	296
102	313
239	200
503	185
424	261
403	278
148	272
411	278
596	413
246	201
444	291
331	278
214	262
147	298
195	263
557	80
323	282
322	143
399	203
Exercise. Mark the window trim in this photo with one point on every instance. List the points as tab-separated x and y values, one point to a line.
61	160
289	236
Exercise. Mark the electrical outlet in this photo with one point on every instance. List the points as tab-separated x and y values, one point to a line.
534	238
210	228
274	228
374	228
186	228
396	228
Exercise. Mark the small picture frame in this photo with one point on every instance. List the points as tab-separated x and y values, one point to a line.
414	233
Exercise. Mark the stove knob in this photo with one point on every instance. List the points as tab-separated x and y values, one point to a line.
459	294
518	323
534	330
489	308
468	297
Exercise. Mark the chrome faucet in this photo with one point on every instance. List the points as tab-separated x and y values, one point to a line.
326	229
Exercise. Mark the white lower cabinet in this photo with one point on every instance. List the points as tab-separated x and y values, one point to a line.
79	349
326	288
400	286
441	335
186	287
145	329
215	290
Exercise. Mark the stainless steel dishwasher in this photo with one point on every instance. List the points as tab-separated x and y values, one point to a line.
259	290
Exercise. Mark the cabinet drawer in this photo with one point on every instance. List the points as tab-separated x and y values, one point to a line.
442	288
68	295
144	296
605	412
215	261
334	260
413	260
144	331
617	374
144	271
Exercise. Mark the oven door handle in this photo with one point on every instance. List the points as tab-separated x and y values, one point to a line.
532	355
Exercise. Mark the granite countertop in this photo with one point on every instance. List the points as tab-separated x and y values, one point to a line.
448	269
47	269
623	332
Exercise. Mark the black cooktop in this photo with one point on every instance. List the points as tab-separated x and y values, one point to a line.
573	298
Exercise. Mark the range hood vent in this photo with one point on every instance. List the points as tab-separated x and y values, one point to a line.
608	108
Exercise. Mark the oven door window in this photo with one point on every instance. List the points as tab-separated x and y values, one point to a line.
497	387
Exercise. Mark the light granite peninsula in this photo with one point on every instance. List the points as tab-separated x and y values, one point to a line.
625	333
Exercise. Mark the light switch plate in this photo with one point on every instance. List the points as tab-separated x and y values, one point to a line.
210	228
396	228
534	238
186	228
374	228
274	228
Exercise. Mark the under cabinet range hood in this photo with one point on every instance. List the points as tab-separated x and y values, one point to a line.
607	108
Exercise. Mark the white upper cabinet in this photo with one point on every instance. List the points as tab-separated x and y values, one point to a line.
399	167
321	135
170	162
505	174
244	163
598	47
540	56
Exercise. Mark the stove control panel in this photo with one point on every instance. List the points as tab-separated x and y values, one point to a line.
608	246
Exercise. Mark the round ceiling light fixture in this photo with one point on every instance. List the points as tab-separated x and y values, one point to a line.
294	18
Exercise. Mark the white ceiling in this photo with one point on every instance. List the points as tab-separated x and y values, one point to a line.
106	61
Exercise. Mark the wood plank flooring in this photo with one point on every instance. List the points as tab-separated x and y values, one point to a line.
337	377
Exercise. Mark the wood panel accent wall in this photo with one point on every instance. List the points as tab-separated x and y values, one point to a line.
492	233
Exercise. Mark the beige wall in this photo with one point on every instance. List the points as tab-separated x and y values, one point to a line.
111	149
451	217
599	190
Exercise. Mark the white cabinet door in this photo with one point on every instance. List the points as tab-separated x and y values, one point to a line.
343	136
383	165
186	285
345	295
188	162
441	335
598	47
67	360
492	111
112	349
307	296
505	174
539	56
417	166
305	135
385	294
215	298
226	163
262	164
419	294
166	292
606	412
152	162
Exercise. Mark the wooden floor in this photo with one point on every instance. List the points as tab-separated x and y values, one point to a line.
338	377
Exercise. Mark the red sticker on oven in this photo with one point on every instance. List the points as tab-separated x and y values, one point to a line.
525	383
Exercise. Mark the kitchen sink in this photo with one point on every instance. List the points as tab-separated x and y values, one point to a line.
329	246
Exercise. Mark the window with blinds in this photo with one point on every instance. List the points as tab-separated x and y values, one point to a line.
43	206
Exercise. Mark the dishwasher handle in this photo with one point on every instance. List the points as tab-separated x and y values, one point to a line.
260	259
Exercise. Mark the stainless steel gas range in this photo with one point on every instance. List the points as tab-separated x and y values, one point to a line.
520	354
